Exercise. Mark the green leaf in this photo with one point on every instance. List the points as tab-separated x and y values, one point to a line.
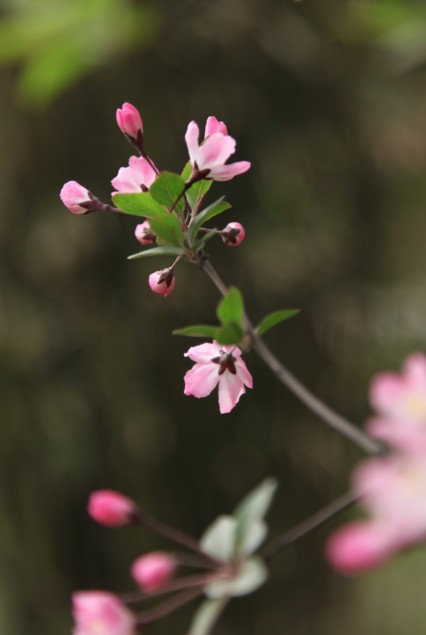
231	308
255	505
199	244
230	333
218	541
251	575
167	188
248	541
275	318
156	251
198	330
139	204
206	616
198	190
168	230
206	214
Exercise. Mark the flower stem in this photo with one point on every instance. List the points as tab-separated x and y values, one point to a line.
306	526
168	607
188	582
333	419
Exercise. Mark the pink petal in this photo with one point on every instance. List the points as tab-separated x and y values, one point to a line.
138	173
204	352
213	125
215	151
191	139
415	370
227	172
243	373
358	547
201	380
387	392
230	390
403	436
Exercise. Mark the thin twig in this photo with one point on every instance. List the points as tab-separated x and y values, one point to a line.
168	607
309	524
189	582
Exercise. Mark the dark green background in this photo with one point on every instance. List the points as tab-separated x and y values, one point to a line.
327	98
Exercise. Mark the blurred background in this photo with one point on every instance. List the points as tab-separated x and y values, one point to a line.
327	98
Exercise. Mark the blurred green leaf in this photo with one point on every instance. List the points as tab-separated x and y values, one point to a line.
156	251
206	616
275	318
139	204
218	540
231	308
251	576
251	510
167	188
198	330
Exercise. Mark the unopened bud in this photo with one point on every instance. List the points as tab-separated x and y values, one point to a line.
144	233
162	282
77	198
152	571
111	508
130	122
233	234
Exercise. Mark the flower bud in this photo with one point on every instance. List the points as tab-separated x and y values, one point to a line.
111	508
129	121
77	198
144	233
233	234
162	282
152	571
101	612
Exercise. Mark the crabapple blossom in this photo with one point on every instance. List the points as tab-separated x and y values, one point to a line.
162	282
393	490
400	401
153	570
144	233
216	364
77	198
98	612
208	159
137	177
233	234
111	508
130	122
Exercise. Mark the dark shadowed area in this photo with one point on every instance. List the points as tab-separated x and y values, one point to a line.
327	99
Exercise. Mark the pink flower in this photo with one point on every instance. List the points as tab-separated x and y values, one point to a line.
77	198
152	571
233	234
162	282
129	121
111	508
138	177
400	401
144	233
217	364
208	159
97	612
393	491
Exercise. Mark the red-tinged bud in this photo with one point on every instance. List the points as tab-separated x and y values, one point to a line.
111	508
162	282
144	233
130	122
152	571
233	234
78	199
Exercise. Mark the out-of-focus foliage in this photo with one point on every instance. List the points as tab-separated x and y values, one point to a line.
56	42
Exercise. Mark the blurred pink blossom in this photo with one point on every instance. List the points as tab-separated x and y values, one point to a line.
111	508
153	570
208	159
137	177
97	612
217	364
393	491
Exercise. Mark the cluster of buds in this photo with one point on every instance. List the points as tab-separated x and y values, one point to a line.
392	487
207	162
